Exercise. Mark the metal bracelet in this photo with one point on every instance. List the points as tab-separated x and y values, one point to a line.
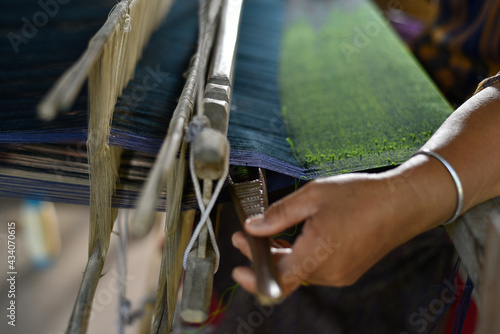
456	179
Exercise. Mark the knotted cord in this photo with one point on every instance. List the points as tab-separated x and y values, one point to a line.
205	212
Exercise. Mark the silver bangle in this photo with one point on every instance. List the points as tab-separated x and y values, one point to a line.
454	175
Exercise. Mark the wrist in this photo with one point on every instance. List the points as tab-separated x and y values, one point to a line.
456	180
423	193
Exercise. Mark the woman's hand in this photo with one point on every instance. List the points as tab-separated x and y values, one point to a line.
349	225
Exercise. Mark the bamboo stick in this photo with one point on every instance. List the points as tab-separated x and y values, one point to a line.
78	322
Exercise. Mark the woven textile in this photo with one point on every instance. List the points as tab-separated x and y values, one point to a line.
321	88
353	97
39	40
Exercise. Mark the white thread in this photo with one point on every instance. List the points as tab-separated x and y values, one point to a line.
127	27
205	212
113	9
204	34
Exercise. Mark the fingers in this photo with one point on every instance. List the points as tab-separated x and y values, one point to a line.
246	277
310	252
279	247
288	212
240	241
248	281
293	268
280	243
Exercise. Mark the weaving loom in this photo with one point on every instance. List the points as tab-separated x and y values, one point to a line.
320	88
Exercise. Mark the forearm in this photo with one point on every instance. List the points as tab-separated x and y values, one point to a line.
470	141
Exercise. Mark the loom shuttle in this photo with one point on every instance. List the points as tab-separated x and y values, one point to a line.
250	199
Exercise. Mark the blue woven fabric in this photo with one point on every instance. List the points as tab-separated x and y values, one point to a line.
299	106
37	44
256	132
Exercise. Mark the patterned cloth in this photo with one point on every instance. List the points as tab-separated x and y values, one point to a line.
462	46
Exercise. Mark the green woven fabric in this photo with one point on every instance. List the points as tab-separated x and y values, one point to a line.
353	97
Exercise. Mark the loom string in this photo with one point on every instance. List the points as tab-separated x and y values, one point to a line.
203	56
124	303
205	212
127	27
207	14
163	167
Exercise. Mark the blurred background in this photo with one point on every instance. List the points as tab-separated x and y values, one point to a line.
47	284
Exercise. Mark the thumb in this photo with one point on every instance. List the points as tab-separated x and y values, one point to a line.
283	214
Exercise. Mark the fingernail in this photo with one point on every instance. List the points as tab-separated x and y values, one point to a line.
255	221
234	242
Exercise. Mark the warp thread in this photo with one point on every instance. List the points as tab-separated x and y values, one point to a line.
127	27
